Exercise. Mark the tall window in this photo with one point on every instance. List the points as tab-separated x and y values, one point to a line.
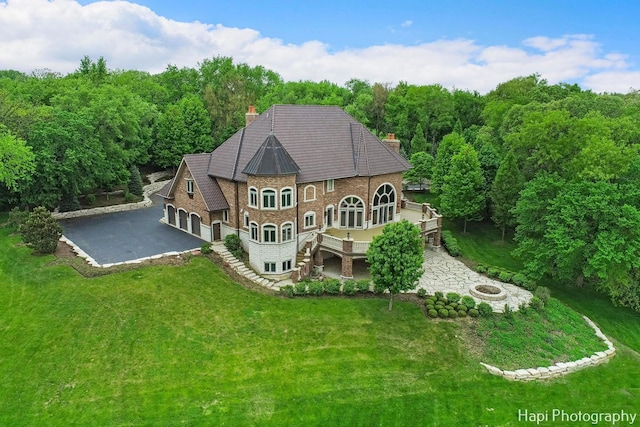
329	220
286	265
330	185
309	219
253	231
225	215
286	198
190	187
351	212
253	197
287	232
268	199
384	204
269	234
246	219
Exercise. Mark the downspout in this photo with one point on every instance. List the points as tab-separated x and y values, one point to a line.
237	209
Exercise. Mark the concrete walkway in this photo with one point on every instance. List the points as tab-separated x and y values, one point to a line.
444	273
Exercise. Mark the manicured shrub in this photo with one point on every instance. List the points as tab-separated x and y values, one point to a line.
481	268
451	244
448	307
453	297
485	309
363	285
41	231
287	290
543	293
129	197
505	276
468	301
462	313
453	313
422	292
349	287
536	303
233	245
430	306
443	313
454	305
91	199
206	248
519	279
300	288
432	313
462	307
493	272
332	286
473	312
439	295
530	285
315	288
378	289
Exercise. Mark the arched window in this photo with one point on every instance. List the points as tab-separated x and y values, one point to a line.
253	197
269	199
269	233
309	193
351	212
309	220
384	204
286	198
286	232
253	231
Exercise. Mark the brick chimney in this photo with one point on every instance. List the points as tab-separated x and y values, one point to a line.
250	116
392	142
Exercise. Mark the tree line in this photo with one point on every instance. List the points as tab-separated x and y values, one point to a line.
557	164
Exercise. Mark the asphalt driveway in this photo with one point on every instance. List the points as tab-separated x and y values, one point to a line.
125	236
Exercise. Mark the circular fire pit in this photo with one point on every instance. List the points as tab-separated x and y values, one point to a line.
487	292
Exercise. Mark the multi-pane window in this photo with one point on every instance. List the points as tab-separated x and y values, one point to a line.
269	267
286	265
287	232
286	198
253	231
253	197
269	234
189	186
384	203
330	185
309	219
246	219
351	212
268	199
225	215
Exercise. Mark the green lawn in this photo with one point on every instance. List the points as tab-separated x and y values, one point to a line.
185	345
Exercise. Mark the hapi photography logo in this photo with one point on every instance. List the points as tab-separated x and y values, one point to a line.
561	416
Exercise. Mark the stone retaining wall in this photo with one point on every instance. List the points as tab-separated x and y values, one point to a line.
560	368
148	191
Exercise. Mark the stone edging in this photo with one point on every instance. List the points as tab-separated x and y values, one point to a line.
93	263
560	368
148	190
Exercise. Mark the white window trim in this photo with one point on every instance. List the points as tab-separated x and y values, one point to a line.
285	267
257	228
291	193
245	223
268	270
333	185
225	216
283	226
275	233
249	197
304	192
190	186
275	199
308	215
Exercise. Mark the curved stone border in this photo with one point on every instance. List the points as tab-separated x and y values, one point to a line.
147	191
560	368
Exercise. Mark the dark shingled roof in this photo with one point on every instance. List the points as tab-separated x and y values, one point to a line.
323	141
271	159
164	191
198	165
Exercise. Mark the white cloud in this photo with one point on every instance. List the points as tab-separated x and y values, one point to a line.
55	34
407	23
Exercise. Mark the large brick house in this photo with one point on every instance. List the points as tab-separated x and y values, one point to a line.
285	180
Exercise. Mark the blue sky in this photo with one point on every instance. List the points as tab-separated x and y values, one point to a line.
464	44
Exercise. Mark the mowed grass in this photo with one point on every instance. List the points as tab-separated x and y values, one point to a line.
185	345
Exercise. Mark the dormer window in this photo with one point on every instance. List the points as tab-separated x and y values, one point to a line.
190	187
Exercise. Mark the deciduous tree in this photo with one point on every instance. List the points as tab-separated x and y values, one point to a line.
505	192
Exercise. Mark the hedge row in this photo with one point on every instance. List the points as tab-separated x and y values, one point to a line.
507	276
328	287
451	244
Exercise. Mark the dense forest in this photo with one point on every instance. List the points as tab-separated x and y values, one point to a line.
557	164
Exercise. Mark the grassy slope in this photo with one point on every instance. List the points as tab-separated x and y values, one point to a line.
185	345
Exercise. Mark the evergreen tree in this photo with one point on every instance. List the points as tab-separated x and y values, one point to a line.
449	146
463	194
419	142
505	192
135	181
41	231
